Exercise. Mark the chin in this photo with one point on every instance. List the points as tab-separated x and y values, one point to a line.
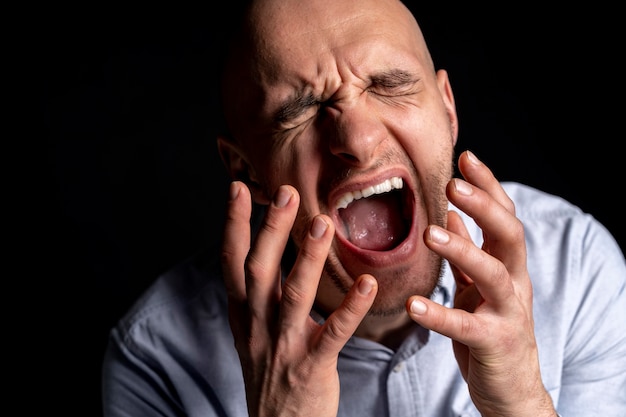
394	286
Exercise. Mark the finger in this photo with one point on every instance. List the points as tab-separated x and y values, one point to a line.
455	225
503	232
479	174
235	245
490	276
300	287
456	324
236	240
466	294
343	322
263	262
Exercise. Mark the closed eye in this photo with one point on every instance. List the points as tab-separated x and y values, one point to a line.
394	83
296	111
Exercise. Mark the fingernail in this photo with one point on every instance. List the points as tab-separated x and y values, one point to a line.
472	158
234	190
318	227
365	286
282	197
462	187
438	235
418	307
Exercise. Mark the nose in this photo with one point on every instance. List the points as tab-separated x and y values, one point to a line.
356	134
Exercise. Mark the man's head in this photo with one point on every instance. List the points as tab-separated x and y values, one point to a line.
340	99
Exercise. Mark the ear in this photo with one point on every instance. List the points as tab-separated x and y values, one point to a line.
240	169
445	88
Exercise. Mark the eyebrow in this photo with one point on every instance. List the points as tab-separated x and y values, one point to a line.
394	78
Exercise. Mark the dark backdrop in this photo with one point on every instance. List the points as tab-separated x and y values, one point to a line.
132	183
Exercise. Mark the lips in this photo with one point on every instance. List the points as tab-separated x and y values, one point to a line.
377	217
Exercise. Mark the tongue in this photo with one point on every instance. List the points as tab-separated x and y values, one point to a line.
374	223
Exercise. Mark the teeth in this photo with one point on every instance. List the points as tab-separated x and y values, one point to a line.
383	187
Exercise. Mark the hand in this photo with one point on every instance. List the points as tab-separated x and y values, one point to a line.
289	361
492	324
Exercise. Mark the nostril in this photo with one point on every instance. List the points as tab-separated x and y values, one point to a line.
348	157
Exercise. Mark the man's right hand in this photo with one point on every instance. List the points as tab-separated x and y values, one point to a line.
289	361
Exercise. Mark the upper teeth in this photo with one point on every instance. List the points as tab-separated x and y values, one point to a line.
383	187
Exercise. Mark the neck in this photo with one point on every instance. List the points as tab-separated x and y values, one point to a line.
389	331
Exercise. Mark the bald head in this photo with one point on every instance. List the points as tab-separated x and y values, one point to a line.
290	41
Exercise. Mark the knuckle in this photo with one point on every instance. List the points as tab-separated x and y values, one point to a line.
310	253
254	266
338	330
293	295
517	230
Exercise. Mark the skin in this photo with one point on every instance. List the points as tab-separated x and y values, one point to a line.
325	97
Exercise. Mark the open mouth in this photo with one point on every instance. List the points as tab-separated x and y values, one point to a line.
377	217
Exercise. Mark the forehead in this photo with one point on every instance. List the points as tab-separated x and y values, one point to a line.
286	34
316	45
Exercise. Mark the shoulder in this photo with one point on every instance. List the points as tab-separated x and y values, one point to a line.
562	240
551	221
166	345
532	202
578	273
188	296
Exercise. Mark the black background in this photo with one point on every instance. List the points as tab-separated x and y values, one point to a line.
130	182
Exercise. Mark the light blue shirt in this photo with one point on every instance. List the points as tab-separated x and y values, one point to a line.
173	353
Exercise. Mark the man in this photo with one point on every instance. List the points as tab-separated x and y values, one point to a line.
372	283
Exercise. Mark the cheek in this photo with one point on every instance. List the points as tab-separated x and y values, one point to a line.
299	169
426	138
429	144
275	168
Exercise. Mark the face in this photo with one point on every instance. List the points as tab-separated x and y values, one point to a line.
341	100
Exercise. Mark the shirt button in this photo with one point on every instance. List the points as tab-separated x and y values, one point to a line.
398	367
